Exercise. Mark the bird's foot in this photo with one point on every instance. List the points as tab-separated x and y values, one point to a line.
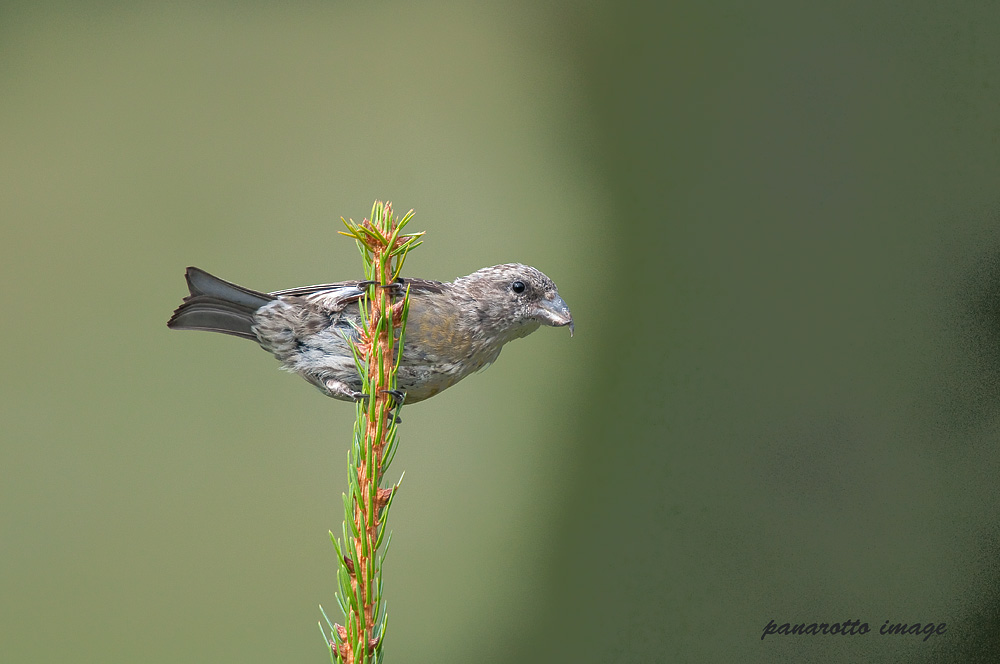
397	395
398	287
338	389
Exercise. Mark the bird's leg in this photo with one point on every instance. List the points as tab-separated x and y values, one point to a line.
365	284
341	390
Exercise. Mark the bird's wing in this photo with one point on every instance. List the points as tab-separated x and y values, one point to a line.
416	286
336	297
425	286
302	291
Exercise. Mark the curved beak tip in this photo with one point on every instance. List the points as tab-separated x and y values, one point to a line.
554	312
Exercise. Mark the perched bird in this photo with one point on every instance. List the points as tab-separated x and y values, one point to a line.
452	329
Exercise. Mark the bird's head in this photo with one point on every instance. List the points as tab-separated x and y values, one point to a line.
512	300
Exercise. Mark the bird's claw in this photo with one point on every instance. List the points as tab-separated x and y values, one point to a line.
397	395
398	286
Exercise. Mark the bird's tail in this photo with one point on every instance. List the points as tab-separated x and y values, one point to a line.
217	306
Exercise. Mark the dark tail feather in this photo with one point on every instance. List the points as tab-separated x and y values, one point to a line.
217	306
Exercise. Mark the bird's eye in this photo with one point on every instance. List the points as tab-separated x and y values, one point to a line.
517	286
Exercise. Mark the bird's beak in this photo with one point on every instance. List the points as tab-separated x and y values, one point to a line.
553	311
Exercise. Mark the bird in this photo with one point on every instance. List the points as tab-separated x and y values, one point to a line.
453	329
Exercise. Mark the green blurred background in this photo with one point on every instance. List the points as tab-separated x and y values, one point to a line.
777	228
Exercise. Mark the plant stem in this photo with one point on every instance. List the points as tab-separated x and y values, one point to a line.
377	347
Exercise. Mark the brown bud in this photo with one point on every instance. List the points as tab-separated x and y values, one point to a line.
349	564
397	314
382	498
343	647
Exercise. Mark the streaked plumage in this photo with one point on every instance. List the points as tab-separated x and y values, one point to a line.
453	329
